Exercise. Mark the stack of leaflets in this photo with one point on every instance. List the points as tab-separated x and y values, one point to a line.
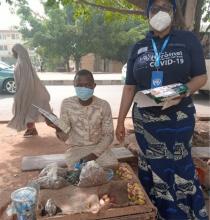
161	96
51	117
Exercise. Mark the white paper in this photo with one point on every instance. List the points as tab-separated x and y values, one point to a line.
143	100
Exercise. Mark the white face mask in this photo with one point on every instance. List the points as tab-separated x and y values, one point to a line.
160	21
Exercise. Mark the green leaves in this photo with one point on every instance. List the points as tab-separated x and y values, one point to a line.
62	34
206	10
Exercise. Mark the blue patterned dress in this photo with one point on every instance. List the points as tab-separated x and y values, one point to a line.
166	169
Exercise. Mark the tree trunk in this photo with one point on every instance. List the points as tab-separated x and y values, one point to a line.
179	18
67	65
77	64
141	4
190	14
198	16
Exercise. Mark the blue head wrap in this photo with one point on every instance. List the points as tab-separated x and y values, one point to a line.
150	2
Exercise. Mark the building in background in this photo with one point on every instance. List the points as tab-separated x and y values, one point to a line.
8	38
95	63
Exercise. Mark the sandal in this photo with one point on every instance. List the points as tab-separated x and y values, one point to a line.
30	133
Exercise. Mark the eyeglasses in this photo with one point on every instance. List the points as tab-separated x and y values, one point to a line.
156	8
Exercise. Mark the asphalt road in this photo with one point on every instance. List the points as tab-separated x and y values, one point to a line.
111	93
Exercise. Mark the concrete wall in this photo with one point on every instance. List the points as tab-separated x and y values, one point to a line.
88	61
96	64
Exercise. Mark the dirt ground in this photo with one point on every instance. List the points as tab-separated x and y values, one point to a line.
201	137
13	147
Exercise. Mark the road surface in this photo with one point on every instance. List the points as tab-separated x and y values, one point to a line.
111	93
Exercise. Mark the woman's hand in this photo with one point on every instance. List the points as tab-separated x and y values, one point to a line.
180	97
126	101
120	132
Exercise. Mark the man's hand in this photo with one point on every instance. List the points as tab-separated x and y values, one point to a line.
49	123
120	132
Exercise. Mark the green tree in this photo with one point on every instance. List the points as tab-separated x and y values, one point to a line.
189	14
61	35
113	38
55	39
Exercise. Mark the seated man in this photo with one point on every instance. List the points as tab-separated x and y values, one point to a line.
86	120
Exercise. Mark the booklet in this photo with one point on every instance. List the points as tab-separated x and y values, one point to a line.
161	96
51	117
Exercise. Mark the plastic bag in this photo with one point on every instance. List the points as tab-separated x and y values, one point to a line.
47	183
73	177
75	154
52	169
52	177
93	175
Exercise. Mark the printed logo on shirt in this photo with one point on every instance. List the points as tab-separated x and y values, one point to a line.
167	59
142	50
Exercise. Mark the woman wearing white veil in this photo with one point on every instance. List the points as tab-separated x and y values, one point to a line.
29	90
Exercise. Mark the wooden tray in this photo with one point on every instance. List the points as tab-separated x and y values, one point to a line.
136	212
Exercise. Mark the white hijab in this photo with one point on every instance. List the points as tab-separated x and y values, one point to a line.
29	90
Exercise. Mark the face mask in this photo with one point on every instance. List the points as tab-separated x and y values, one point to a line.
84	93
160	21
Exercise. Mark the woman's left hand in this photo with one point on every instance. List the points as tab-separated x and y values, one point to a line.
180	97
120	132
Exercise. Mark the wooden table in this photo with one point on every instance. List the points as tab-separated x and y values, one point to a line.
135	212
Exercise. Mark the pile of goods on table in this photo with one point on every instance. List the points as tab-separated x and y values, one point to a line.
97	196
94	189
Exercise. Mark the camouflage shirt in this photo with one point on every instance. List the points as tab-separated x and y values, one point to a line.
86	125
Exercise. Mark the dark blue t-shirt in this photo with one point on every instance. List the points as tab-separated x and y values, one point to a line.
182	60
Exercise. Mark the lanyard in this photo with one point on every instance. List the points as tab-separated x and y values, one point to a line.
157	55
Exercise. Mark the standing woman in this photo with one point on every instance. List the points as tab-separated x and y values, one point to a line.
29	90
166	168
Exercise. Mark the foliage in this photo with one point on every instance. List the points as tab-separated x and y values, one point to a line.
63	35
112	40
53	37
206	12
136	7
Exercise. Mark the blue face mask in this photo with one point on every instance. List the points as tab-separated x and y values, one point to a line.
84	93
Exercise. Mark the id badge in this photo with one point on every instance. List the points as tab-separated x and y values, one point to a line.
157	79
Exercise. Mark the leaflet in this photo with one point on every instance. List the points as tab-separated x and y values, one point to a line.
51	117
162	96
